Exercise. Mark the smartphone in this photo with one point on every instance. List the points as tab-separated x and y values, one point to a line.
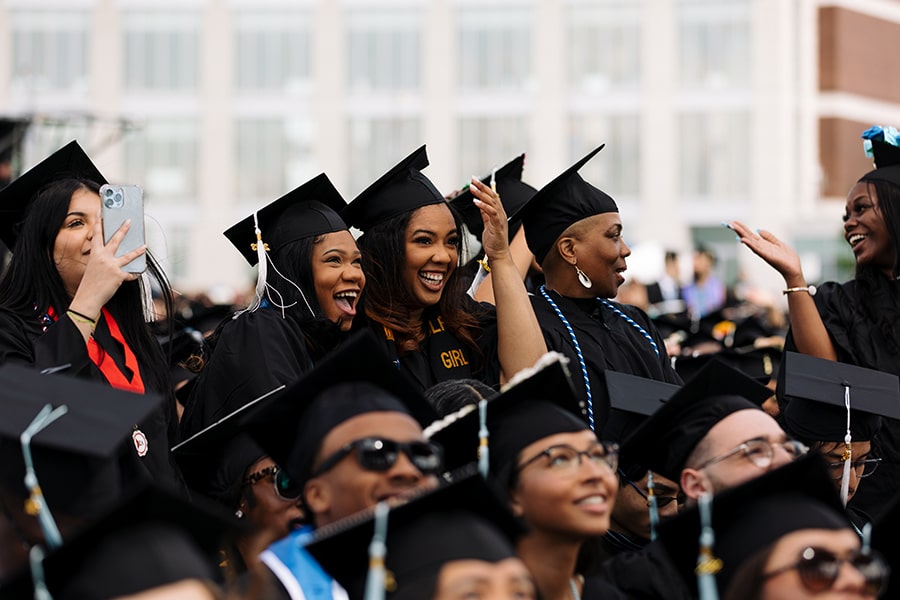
118	203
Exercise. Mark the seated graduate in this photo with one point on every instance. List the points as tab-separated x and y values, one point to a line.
151	545
575	233
837	409
454	542
709	436
415	301
348	434
68	446
545	460
514	195
67	302
783	535
310	279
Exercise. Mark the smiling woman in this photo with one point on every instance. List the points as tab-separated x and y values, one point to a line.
310	280
857	322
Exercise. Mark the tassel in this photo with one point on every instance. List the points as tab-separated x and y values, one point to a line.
866	546
36	562
653	505
847	456
375	579
483	435
36	505
479	279
707	564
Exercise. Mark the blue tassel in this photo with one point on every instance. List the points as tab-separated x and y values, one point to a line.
653	505
484	451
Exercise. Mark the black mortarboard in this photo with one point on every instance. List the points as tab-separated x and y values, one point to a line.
887	163
562	202
759	363
884	539
514	194
753	516
153	538
402	189
814	392
309	210
535	405
632	400
68	161
215	459
665	441
76	457
357	378
459	521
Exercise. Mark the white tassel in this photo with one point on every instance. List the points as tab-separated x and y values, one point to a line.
847	456
375	579
707	564
484	451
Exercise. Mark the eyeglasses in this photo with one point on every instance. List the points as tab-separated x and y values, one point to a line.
377	454
760	452
661	501
285	488
819	569
566	459
863	468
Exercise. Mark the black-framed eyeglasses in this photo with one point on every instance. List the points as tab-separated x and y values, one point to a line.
760	452
566	459
380	454
819	569
863	468
285	488
661	501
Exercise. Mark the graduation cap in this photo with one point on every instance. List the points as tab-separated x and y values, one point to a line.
665	440
402	189
77	457
460	521
69	161
213	461
514	194
537	403
150	539
828	401
751	517
562	202
355	379
880	145
309	210
632	400
759	363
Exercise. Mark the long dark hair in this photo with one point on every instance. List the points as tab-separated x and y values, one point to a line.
386	299
869	277
32	280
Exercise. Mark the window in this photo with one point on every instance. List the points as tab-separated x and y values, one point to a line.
274	155
161	51
377	144
604	45
616	169
714	44
162	158
714	152
385	50
487	142
273	51
495	50
50	51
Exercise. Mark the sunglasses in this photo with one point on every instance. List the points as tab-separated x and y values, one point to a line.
285	488
378	454
819	569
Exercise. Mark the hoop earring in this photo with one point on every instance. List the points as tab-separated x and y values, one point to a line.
583	279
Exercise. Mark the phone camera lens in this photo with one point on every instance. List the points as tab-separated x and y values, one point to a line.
109	192
118	198
109	203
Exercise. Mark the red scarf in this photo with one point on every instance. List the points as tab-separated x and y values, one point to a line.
104	361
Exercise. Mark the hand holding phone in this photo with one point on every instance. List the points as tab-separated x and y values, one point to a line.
119	203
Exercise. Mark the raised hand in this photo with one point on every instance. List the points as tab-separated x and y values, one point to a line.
495	239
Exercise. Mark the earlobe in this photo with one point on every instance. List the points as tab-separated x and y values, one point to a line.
694	483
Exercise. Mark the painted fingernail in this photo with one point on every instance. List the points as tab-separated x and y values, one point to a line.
727	224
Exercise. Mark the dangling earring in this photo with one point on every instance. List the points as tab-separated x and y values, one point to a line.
239	513
583	279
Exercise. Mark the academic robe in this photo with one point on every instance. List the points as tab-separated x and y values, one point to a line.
442	356
607	341
646	574
860	341
23	341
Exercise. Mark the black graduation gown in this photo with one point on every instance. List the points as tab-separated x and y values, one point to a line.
647	574
23	342
442	356
607	341
859	341
254	354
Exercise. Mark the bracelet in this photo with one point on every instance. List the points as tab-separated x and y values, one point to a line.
809	289
484	264
80	317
